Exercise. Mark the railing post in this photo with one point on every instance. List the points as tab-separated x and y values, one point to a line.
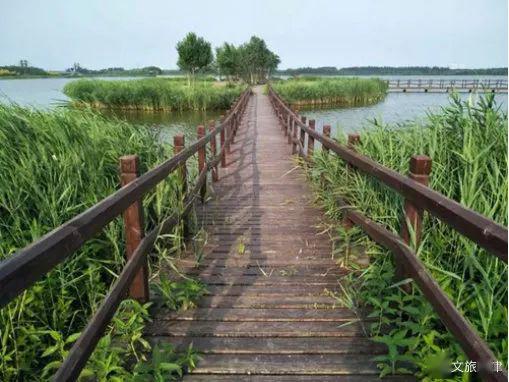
178	146
290	128
134	229
213	150
287	123
228	131
353	140
222	140
201	162
311	140
302	133
326	133
233	127
420	168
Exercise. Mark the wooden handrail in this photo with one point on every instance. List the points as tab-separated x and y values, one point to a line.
480	229
400	83
25	267
473	225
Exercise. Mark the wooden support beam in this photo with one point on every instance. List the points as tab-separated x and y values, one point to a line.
202	161
134	229
213	150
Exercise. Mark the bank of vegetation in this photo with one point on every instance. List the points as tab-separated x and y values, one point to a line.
468	144
168	94
323	92
55	165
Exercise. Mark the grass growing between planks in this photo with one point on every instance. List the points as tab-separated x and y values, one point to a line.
468	144
316	91
169	94
54	165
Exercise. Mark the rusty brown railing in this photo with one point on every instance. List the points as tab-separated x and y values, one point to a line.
418	198
28	265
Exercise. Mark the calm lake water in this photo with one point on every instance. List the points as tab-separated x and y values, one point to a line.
47	93
396	108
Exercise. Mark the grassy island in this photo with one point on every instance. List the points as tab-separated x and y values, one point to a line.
153	94
322	92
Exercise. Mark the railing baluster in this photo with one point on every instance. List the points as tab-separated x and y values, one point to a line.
134	229
178	146
411	226
420	168
302	134
201	162
221	141
353	140
213	150
326	132
311	140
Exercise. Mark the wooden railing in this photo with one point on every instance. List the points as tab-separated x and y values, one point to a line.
448	84
24	268
418	197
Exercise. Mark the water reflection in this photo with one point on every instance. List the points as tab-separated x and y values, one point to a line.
169	123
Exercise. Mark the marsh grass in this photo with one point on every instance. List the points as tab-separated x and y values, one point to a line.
468	144
54	165
323	92
168	94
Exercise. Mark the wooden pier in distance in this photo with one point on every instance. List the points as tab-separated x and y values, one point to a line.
402	85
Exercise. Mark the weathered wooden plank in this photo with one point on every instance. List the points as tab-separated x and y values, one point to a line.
307	364
267	271
275	345
330	281
259	302
254	329
262	315
275	290
295	378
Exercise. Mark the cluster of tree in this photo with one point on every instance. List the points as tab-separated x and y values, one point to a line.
76	69
392	70
252	61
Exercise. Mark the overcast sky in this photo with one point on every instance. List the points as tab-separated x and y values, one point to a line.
103	33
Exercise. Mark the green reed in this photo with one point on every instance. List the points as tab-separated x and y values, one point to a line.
468	144
54	165
311	91
170	94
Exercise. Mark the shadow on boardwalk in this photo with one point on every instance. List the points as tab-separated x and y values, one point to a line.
267	268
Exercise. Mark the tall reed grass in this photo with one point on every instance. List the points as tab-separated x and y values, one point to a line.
170	94
53	165
468	144
316	91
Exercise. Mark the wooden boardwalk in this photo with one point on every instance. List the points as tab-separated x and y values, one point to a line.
269	315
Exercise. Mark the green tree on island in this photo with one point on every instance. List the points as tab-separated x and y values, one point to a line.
194	54
252	61
227	61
